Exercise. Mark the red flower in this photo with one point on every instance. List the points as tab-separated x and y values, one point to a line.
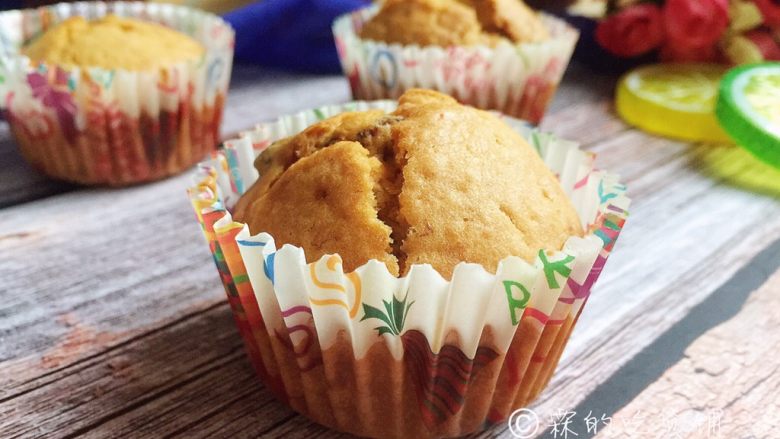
673	53
765	44
633	31
770	10
695	24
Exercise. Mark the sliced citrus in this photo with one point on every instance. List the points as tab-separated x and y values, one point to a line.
673	100
749	109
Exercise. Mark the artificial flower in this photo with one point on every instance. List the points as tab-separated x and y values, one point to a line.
633	31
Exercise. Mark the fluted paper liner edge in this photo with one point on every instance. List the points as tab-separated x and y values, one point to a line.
518	79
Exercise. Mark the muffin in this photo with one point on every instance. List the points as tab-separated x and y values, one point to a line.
78	42
84	111
492	54
454	23
410	269
399	188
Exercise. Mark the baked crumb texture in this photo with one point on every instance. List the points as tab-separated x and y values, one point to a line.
434	182
455	22
112	42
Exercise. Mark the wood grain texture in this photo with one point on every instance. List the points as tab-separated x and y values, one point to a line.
21	183
726	386
113	321
257	95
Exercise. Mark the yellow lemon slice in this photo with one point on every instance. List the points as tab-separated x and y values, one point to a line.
673	100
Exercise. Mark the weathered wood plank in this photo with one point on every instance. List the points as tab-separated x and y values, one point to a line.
243	417
95	390
119	262
583	113
258	94
726	386
209	396
301	428
20	182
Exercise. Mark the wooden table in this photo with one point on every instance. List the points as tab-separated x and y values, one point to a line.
113	322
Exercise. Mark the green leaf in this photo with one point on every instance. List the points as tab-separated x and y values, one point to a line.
385	330
394	318
369	312
398	313
391	315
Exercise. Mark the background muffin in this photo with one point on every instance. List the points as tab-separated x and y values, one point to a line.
79	42
114	93
454	22
492	54
512	19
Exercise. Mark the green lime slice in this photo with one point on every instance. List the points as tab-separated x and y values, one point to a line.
748	108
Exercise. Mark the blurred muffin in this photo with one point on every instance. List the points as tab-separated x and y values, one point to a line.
82	43
512	19
433	182
491	54
131	94
454	22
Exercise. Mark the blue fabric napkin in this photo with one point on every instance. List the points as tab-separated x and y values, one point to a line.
290	34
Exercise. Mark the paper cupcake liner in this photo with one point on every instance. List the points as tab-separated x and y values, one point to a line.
516	79
377	355
113	126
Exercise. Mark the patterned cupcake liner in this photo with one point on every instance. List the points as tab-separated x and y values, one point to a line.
112	126
377	355
518	80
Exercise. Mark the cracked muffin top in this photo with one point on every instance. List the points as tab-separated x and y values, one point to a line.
433	182
112	42
455	22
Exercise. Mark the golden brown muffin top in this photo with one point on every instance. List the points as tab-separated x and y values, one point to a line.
454	22
434	182
112	42
512	19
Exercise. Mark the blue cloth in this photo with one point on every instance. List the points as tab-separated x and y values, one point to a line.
13	4
290	34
